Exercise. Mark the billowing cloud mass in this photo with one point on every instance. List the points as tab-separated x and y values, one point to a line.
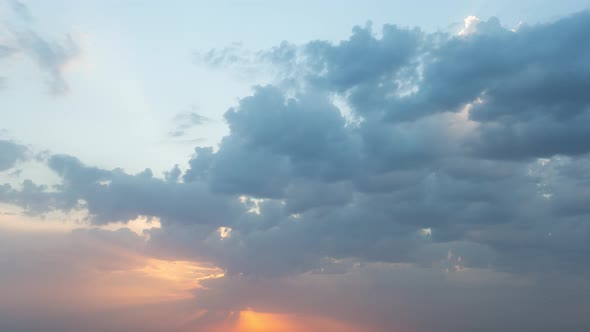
398	180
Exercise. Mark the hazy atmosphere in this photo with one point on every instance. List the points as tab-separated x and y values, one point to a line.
294	166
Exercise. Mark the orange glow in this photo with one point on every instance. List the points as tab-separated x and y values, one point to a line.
140	279
262	322
183	275
253	321
155	282
91	273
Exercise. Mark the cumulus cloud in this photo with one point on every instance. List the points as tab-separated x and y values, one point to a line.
468	160
326	187
116	196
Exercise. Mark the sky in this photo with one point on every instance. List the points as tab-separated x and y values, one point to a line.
257	166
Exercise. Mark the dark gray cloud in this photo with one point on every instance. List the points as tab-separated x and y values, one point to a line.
449	132
381	189
275	139
35	199
116	196
363	62
526	87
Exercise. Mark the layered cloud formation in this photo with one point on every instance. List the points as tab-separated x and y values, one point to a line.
371	170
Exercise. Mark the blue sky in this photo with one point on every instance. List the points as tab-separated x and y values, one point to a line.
243	166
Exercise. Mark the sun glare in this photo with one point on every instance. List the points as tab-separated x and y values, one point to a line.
254	321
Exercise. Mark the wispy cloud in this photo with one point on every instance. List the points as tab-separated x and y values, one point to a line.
50	56
186	121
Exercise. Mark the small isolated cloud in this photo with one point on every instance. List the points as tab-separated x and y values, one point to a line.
186	121
233	54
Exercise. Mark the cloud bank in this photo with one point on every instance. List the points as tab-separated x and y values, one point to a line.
390	165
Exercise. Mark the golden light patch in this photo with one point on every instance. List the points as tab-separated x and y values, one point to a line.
184	274
142	279
224	232
97	274
251	321
254	321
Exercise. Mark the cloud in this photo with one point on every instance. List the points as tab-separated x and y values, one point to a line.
10	153
21	10
363	60
5	51
297	183
109	281
50	56
186	121
524	84
116	196
431	149
458	193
